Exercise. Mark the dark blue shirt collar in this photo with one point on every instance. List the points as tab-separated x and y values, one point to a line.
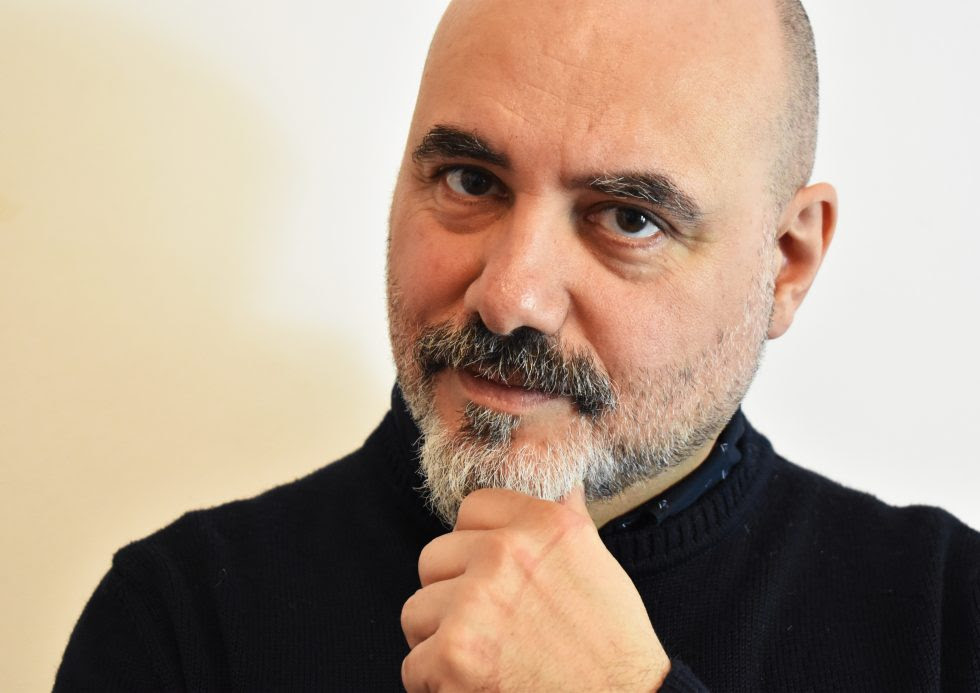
715	469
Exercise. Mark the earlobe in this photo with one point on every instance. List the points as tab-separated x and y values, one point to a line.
804	234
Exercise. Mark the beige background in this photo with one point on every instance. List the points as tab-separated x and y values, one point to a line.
192	211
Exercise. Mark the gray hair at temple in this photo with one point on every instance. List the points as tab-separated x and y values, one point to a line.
796	124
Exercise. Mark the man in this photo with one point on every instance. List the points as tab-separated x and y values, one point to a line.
601	216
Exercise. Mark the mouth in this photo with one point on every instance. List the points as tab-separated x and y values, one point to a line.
507	393
494	375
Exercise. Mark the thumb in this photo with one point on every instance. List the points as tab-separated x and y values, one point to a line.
575	500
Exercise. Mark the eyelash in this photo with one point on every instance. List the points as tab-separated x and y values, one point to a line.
440	173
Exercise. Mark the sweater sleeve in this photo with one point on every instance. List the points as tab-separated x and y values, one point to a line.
109	650
680	679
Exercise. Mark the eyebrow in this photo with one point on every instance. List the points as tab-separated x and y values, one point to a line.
445	141
655	188
448	142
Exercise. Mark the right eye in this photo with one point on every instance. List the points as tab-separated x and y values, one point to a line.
631	222
471	182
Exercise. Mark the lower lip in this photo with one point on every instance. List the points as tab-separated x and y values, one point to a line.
513	400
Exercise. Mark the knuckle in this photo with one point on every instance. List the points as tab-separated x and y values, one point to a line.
499	543
470	597
411	678
566	521
485	601
462	654
501	549
409	610
426	559
432	557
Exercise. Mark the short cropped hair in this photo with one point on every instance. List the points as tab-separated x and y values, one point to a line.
796	126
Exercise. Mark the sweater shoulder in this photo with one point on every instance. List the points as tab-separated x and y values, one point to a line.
849	505
312	566
278	520
858	524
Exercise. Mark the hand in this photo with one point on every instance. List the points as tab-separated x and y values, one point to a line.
522	595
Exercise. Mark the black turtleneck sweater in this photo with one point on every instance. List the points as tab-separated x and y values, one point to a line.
757	575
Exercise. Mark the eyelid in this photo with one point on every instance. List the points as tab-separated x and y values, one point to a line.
442	169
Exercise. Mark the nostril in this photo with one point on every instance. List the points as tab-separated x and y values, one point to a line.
519	286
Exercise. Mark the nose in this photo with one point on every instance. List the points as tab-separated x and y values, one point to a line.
524	278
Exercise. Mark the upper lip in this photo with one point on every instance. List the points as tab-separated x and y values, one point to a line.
493	374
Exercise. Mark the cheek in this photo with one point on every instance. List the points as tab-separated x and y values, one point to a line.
430	267
666	323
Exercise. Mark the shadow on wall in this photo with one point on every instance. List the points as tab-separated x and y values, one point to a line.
139	192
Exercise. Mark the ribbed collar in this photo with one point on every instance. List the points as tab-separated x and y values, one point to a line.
664	530
724	455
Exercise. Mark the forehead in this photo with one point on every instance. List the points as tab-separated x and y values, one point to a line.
684	85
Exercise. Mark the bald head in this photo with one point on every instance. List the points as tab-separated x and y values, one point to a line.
706	54
602	174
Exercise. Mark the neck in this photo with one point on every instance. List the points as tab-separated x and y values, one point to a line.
603	511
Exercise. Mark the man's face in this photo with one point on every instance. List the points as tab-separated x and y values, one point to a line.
593	182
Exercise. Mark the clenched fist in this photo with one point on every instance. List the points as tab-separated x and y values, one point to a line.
523	595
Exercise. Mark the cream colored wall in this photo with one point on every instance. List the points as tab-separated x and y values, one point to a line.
161	343
192	212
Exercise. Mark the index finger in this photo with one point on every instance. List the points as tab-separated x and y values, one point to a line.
492	508
446	556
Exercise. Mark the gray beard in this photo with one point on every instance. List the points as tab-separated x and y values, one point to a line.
652	422
481	454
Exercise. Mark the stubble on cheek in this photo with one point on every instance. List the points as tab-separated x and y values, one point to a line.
663	416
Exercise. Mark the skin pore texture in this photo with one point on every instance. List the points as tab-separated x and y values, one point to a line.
676	320
588	249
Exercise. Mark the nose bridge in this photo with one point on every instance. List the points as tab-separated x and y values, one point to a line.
523	281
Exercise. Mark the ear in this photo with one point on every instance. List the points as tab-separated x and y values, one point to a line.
805	230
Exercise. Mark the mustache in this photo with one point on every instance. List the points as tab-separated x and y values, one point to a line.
525	358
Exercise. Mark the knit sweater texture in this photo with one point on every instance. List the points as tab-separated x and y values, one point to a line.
774	579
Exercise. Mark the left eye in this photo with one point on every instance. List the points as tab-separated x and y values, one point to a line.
471	182
628	221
